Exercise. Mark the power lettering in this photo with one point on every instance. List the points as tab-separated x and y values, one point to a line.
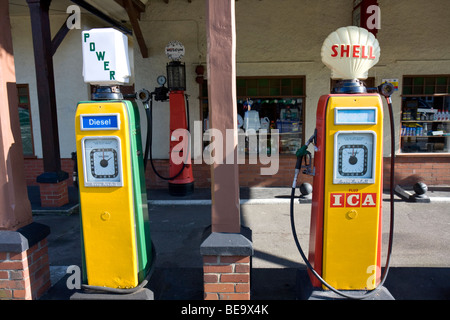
100	57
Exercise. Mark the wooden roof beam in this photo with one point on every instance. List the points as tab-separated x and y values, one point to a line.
101	15
59	36
129	7
138	6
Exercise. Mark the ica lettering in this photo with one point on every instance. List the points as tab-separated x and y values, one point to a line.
352	200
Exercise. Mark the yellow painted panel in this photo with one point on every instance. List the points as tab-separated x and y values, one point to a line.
107	212
351	211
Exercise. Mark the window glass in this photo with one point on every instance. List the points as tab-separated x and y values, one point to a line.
425	120
267	103
26	129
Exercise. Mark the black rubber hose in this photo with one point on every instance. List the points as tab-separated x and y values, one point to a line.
149	142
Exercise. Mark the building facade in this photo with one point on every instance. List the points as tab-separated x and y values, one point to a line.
280	75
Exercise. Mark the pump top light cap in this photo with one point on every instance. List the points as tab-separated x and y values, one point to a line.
105	57
350	52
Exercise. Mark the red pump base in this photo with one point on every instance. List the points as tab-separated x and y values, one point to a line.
183	183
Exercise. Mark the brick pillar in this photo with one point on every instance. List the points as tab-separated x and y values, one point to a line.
227	265
24	263
54	194
226	277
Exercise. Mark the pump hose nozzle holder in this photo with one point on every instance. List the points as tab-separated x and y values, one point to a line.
145	96
386	89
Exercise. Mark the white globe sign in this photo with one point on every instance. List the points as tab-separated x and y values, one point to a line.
175	50
350	52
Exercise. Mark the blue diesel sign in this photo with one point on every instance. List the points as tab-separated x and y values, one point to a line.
100	122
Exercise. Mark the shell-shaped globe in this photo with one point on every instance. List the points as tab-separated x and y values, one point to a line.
350	52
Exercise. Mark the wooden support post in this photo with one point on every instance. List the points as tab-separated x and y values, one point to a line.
221	37
15	208
24	265
40	26
45	81
226	251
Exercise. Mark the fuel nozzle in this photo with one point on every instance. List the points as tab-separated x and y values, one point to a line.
303	150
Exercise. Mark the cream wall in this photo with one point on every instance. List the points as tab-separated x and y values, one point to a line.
274	37
285	37
69	85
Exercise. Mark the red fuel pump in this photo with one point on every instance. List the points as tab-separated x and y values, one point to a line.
181	180
346	209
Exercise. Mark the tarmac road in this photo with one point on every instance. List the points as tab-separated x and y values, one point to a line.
420	264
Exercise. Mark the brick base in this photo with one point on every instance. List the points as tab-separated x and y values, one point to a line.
54	194
24	275
227	265
226	277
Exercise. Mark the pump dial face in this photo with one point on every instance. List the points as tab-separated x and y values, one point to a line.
354	157
102	161
352	160
161	80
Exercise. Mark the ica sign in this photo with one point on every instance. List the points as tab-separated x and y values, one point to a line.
352	200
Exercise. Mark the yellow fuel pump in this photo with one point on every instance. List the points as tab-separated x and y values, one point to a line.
346	210
117	247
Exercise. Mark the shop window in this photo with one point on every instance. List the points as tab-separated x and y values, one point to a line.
425	119
26	128
268	103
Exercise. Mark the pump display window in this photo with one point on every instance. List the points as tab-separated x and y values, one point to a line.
267	103
425	119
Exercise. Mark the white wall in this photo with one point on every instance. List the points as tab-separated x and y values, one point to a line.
69	85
